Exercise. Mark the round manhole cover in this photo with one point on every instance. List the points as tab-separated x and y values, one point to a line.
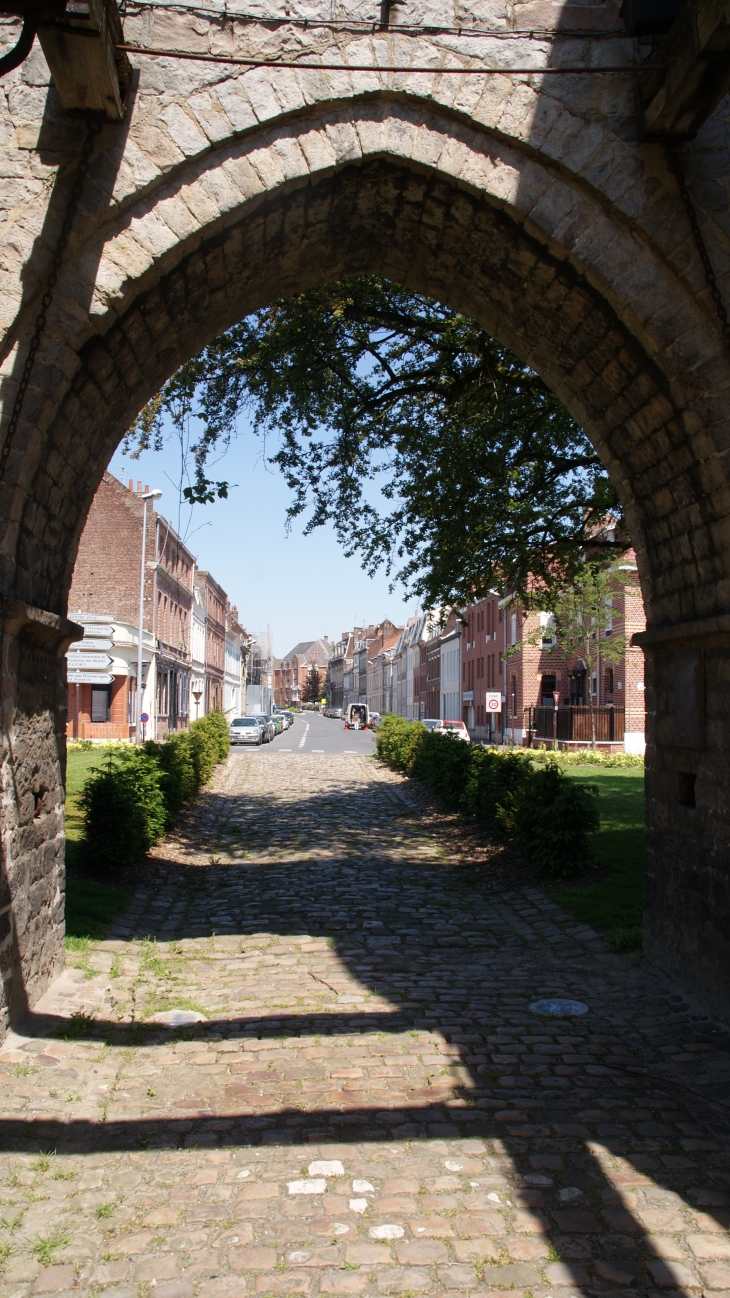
556	1008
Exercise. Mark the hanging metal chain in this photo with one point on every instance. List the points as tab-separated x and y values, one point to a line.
93	129
715	294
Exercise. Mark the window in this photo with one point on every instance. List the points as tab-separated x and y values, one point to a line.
608	625
609	680
547	630
547	689
100	703
513	629
514	695
500	663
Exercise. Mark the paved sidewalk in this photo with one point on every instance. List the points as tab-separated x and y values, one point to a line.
307	1065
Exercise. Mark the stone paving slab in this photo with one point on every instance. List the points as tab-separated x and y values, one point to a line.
357	1098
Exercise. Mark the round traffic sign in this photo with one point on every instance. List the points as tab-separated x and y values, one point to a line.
494	704
144	717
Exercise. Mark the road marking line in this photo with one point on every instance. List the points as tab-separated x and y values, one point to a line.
304	736
316	750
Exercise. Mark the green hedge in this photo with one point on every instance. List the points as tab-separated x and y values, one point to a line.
130	802
549	817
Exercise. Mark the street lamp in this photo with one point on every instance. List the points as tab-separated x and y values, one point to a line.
148	495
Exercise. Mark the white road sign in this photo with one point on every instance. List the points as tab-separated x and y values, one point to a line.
93	642
89	678
88	662
103	628
493	702
83	618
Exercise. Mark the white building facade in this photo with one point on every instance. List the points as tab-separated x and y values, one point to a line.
232	677
451	676
197	665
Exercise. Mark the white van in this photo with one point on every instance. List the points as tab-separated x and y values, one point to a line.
357	716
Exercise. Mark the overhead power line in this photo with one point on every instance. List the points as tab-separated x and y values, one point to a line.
297	66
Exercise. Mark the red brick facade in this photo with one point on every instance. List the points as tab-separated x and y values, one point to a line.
214	601
481	664
106	580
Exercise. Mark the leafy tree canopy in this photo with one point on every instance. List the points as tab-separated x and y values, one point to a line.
431	448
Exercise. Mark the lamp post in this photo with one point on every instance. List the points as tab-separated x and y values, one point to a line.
148	495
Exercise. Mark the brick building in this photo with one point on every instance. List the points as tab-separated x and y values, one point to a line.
213	600
106	585
173	599
380	676
534	671
482	668
291	672
194	650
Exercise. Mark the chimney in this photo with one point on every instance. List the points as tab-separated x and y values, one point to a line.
146	491
131	484
139	486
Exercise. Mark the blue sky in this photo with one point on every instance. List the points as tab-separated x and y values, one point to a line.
301	586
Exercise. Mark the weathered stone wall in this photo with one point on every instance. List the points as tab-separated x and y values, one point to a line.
32	699
522	199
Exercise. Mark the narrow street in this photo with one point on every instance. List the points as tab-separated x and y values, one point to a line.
307	1064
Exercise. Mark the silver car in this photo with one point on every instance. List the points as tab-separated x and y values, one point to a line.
245	730
267	726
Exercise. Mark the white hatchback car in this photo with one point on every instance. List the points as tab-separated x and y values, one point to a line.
245	730
456	728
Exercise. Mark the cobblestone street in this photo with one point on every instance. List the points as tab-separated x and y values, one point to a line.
307	1064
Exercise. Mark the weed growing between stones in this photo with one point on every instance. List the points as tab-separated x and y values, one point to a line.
45	1246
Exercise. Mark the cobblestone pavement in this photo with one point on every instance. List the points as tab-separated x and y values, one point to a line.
361	1100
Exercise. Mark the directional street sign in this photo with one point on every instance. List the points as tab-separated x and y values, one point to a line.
88	662
93	642
89	678
103	628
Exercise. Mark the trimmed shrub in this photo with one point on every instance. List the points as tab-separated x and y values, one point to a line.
397	741
176	765
132	801
442	762
124	810
494	778
551	817
209	739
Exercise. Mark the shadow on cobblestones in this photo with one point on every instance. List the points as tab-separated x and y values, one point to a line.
357	990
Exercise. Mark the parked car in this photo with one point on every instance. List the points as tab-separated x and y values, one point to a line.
374	720
456	728
289	718
337	714
268	727
245	730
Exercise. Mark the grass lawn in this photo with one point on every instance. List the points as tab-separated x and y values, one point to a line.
90	906
614	904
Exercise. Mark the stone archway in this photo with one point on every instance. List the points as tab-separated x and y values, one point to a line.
506	202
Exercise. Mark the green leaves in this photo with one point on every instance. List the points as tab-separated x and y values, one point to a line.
431	449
